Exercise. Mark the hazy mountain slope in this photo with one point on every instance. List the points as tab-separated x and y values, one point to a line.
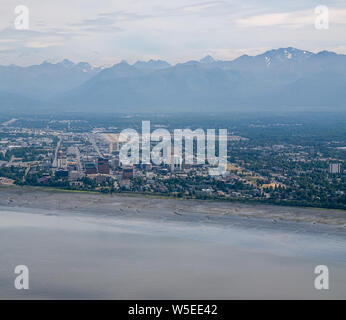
170	89
44	80
281	79
276	79
151	65
11	102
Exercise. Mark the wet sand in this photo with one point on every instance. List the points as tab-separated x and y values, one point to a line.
146	207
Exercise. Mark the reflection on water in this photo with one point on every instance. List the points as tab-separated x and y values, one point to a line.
75	256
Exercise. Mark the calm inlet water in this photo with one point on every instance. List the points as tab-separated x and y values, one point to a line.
91	257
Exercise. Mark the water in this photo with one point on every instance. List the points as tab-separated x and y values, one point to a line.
78	256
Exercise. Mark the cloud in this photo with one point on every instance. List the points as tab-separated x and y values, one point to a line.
32	39
44	43
230	54
199	7
295	19
287	19
108	22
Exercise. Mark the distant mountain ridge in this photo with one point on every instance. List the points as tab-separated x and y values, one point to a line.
45	80
274	80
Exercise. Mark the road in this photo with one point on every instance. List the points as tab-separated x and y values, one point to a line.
26	172
93	142
78	157
9	164
7	123
55	161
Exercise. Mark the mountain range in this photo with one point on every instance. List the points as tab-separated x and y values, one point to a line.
280	79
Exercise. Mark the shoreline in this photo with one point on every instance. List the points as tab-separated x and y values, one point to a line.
159	207
279	203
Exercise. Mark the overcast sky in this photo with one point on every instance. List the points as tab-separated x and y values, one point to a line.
104	32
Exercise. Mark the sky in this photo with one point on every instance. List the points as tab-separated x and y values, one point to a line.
104	32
